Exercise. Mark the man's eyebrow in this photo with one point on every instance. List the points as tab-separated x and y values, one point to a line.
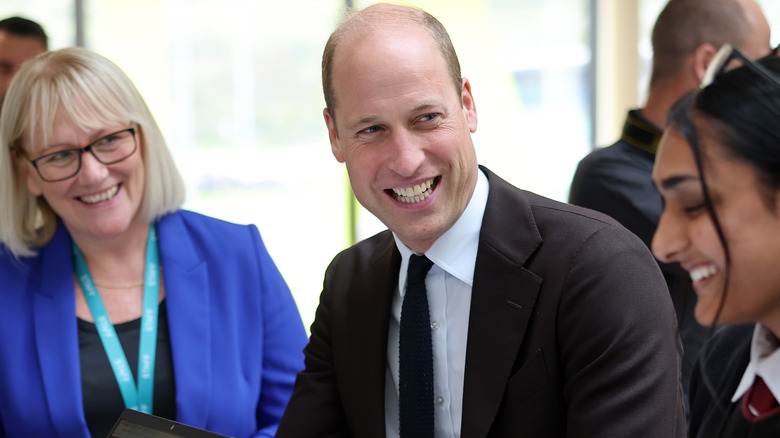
369	120
425	106
362	122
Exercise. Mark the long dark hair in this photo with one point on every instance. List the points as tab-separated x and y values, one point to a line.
742	111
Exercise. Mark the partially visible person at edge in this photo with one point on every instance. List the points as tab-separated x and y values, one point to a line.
92	230
718	170
544	319
20	39
617	180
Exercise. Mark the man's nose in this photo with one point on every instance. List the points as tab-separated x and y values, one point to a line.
406	153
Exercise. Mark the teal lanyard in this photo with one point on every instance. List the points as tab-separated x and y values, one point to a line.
135	397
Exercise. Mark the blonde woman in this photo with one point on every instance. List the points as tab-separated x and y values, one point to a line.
112	296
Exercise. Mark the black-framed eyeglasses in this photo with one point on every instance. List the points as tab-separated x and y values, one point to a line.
109	149
725	55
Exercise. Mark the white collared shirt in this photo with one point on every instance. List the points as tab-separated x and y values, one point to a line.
764	362
448	285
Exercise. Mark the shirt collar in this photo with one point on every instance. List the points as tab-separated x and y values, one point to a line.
456	250
640	132
764	362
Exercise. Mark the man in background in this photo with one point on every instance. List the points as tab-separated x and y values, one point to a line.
617	180
484	310
20	40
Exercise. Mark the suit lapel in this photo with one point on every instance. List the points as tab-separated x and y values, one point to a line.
187	291
56	336
369	300
502	302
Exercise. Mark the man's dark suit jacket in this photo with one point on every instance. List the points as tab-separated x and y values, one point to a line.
618	181
571	332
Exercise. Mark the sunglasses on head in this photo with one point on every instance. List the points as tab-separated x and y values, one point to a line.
723	58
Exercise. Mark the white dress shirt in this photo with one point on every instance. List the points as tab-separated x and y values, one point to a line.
448	285
764	362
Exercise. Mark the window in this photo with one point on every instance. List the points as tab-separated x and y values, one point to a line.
235	87
56	17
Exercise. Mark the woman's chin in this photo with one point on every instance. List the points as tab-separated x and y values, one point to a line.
706	316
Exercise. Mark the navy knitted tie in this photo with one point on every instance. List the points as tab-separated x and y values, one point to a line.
415	355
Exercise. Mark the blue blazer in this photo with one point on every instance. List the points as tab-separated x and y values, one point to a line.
236	334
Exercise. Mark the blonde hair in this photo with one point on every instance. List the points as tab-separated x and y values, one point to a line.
92	92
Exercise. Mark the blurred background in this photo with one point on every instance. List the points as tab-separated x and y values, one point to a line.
235	86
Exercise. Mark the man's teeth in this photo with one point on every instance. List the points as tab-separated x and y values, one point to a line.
699	274
100	197
412	195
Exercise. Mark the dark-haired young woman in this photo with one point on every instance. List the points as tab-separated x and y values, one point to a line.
718	170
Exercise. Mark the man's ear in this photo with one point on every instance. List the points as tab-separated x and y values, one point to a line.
702	57
469	107
335	145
